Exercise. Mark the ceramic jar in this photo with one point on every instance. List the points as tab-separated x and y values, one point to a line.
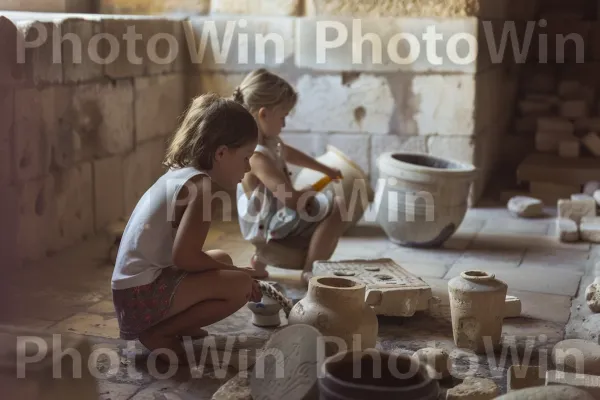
421	200
477	310
354	187
368	375
336	307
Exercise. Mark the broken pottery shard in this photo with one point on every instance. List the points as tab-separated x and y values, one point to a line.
576	209
597	197
589	229
237	388
474	388
526	207
591	187
391	290
592	142
438	359
512	307
567	230
592	296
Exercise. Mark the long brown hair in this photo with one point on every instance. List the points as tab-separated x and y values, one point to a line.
211	121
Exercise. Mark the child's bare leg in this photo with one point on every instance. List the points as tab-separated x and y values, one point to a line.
324	240
223	257
200	300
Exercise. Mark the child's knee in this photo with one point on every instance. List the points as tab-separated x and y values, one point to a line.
221	256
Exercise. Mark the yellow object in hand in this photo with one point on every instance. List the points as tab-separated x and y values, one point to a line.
321	183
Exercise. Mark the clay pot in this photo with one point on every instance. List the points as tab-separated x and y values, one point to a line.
375	375
354	187
421	200
477	310
265	313
336	307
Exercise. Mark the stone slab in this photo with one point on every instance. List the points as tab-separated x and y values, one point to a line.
387	44
534	279
236	44
553	168
543	306
391	290
571	260
256	7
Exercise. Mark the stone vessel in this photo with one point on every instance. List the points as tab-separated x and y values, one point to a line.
367	375
337	308
477	310
421	200
354	183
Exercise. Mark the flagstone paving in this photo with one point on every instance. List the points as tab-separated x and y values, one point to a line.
71	293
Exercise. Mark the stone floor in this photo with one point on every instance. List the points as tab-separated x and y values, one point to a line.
71	293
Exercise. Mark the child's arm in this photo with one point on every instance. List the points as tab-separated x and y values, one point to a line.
276	181
191	234
296	157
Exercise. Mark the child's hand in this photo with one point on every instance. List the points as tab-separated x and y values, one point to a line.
334	173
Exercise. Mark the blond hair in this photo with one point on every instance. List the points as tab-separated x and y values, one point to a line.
210	122
262	88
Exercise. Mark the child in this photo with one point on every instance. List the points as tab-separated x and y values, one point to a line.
164	285
269	207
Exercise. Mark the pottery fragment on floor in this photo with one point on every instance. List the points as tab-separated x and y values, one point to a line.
559	392
589	229
287	366
474	388
567	230
589	383
512	307
577	355
525	376
391	290
526	207
592	295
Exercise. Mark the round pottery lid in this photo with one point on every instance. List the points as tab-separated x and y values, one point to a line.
287	368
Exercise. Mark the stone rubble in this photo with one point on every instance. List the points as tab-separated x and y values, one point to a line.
589	229
592	295
474	389
567	230
526	207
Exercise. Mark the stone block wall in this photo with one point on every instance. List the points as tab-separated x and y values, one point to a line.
83	139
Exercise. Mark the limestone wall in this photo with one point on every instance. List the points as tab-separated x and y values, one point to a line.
82	139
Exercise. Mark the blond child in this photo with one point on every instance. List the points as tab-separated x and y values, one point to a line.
165	286
269	207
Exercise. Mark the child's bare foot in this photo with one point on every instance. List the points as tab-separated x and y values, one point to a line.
259	268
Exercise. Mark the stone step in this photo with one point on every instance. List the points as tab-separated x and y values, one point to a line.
553	168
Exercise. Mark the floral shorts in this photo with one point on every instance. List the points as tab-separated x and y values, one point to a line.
141	307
